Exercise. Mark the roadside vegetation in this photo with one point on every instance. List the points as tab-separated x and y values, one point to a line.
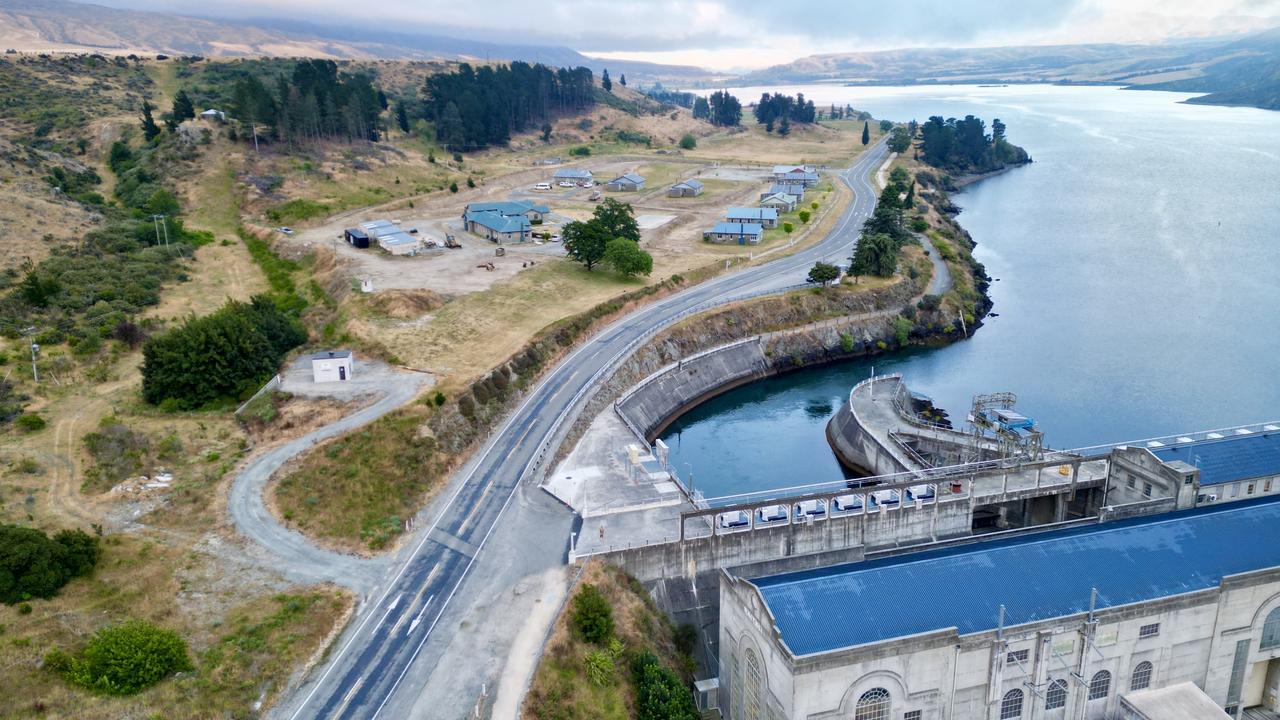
613	655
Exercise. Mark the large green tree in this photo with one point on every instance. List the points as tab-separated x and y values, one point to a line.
866	132
585	242
626	257
618	219
183	108
605	82
149	127
822	273
877	254
33	565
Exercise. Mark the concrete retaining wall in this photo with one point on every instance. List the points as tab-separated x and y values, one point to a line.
654	403
857	448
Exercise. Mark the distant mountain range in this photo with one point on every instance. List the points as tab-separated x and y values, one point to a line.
37	25
1230	71
1234	71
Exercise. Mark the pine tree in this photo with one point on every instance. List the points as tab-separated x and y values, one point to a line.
606	82
183	108
784	127
623	80
866	132
149	127
402	117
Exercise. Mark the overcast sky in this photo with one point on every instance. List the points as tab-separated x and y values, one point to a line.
734	34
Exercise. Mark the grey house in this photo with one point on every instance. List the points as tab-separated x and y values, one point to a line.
630	182
688	188
780	202
739	233
795	190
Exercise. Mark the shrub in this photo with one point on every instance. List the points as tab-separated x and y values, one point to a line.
29	422
930	303
453	186
592	615
296	210
788	228
126	659
688	142
804	216
660	695
902	329
813	205
34	565
919	224
471	183
438	398
580	151
220	356
847	343
599	666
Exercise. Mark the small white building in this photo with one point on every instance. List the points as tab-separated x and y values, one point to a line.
332	366
213	114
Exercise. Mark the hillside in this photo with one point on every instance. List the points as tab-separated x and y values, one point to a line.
50	25
1243	71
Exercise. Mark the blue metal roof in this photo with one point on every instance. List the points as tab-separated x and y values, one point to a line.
730	228
507	207
1228	459
1036	577
752	213
498	222
632	178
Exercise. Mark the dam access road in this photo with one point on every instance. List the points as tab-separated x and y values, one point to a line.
419	645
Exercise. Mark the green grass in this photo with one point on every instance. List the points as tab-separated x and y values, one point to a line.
279	271
295	210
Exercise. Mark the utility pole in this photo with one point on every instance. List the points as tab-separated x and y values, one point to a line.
159	222
35	349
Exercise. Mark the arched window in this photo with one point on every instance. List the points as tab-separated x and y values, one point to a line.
1141	679
1100	685
754	683
1011	705
1056	696
1271	631
873	705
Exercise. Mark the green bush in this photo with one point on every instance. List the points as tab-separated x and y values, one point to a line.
225	355
804	216
660	694
29	422
591	615
788	228
580	151
930	303
847	343
688	142
124	659
34	565
295	210
902	329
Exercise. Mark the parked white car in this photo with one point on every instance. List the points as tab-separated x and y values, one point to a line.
566	183
542	186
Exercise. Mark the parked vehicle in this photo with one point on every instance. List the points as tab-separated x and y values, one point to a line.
542	186
286	230
595	196
734	519
589	184
566	184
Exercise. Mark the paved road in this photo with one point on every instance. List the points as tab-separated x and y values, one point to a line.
363	678
295	555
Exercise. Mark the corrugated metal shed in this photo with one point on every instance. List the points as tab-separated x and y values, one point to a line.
729	228
1036	577
1228	459
738	214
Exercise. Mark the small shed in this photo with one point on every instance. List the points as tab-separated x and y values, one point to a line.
212	114
356	237
688	188
332	366
629	182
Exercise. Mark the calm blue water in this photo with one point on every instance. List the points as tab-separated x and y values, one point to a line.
1138	295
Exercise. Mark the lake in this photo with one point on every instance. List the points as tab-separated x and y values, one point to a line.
1137	290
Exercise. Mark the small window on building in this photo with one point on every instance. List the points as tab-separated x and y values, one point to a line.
1235	490
1100	685
1141	679
1187	480
1056	696
1017	656
1011	705
873	705
1271	631
1249	490
1147	631
1146	489
913	715
1132	481
1266	487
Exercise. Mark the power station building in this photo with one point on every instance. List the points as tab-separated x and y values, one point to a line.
1054	625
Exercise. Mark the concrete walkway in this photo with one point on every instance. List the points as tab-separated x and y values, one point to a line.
293	554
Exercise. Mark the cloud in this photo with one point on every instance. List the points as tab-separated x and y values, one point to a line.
723	33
